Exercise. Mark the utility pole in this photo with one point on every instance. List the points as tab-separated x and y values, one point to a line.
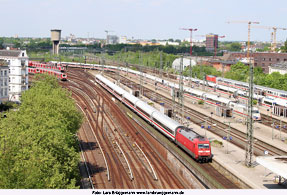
173	101
180	98
190	74
160	64
141	75
250	140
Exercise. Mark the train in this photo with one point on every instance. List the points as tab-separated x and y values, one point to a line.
238	108
197	146
53	66
243	86
37	70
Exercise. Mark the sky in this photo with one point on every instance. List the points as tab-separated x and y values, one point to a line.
142	19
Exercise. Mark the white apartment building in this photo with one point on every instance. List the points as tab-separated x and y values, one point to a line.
18	72
4	78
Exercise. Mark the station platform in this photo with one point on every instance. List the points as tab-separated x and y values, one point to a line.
276	164
261	131
230	156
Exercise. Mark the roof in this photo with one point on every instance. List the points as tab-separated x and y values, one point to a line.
10	53
282	65
276	164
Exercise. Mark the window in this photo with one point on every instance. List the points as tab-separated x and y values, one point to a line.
5	92
270	59
22	62
263	64
5	72
285	59
278	59
1	73
5	82
23	54
255	64
263	59
203	146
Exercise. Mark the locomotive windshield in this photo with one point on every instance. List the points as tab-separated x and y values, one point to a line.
255	111
203	146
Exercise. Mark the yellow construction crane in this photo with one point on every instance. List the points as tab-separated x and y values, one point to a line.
249	27
273	35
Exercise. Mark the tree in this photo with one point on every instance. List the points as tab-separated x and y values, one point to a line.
1	43
38	148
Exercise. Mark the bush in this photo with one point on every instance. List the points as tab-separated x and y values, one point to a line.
200	102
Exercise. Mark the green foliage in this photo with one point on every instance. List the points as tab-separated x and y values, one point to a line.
151	59
199	71
1	43
7	105
38	147
234	46
239	72
254	102
200	102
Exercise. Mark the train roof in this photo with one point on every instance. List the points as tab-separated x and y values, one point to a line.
166	121
190	134
111	84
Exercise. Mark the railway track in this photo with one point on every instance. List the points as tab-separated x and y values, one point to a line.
275	123
224	182
238	137
118	139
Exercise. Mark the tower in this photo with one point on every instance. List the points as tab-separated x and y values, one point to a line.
55	38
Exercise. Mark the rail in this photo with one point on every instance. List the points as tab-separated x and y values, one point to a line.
132	177
108	174
155	177
85	162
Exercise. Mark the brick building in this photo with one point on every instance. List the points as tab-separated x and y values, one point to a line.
261	59
211	42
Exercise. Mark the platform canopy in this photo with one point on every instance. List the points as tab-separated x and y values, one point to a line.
276	164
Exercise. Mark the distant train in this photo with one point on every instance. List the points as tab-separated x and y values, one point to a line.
60	75
238	108
55	66
194	144
265	91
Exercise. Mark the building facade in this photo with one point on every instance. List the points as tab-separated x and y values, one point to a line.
278	67
211	42
4	81
18	72
112	39
261	59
